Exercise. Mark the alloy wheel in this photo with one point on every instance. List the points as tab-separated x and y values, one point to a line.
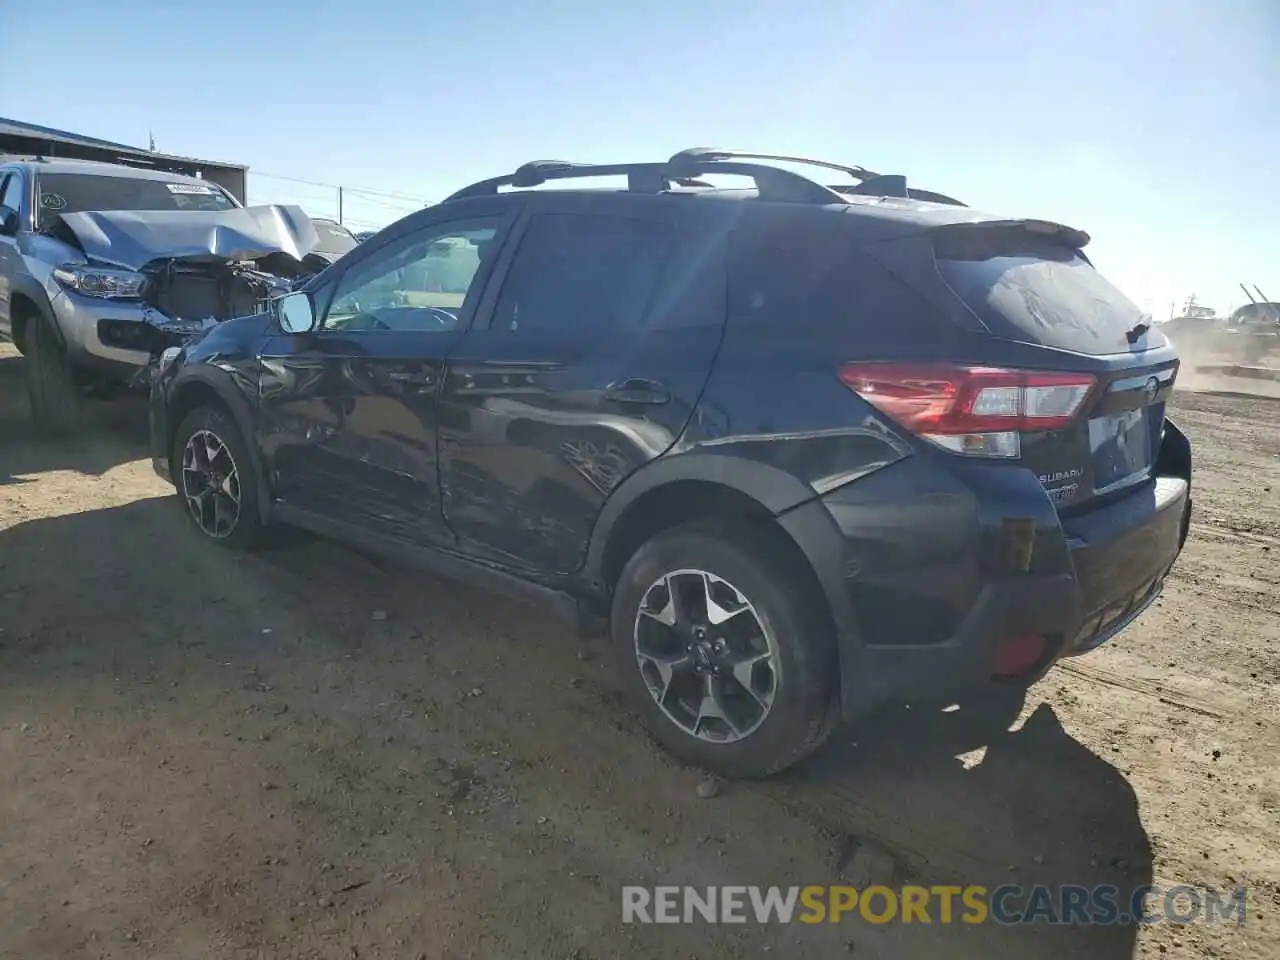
211	484
706	656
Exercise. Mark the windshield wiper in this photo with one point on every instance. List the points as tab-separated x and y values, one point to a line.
1134	334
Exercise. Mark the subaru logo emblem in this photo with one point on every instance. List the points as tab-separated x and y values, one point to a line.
1151	389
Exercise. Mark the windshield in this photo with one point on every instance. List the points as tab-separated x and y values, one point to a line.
334	237
1037	291
79	192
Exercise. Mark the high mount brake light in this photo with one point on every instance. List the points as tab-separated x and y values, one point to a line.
970	410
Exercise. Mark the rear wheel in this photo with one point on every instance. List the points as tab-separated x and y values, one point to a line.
56	404
213	473
724	649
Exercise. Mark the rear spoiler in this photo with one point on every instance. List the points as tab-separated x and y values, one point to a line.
1058	232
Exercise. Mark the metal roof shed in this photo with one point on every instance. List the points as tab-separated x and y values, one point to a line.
31	138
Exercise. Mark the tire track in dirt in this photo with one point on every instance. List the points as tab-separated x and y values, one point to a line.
1222	532
1150	688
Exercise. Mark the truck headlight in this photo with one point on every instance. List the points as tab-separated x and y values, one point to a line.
167	356
106	282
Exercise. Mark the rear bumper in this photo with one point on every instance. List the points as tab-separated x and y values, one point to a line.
1121	556
928	568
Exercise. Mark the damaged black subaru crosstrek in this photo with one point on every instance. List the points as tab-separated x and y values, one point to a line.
801	447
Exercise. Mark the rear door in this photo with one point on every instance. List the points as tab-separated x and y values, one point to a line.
1043	306
584	365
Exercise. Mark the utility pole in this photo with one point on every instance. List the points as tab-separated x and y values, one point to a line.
339	204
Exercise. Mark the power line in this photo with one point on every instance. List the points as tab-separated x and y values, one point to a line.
328	208
358	191
362	224
276	176
258	198
343	187
310	205
393	204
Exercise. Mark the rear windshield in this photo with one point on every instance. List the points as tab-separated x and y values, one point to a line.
80	192
334	237
1036	291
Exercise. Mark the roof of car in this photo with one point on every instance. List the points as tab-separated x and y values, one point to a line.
96	168
882	205
872	218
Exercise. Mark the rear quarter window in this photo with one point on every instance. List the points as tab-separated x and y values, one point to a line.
1039	292
805	274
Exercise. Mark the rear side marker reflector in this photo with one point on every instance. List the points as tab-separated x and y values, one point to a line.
970	410
1017	655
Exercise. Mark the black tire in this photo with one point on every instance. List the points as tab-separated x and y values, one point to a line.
762	566
56	404
246	530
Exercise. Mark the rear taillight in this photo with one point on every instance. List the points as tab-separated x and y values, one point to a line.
975	411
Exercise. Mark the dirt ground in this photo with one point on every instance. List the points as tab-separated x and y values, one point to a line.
306	753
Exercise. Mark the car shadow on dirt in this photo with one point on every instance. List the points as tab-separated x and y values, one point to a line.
919	795
115	432
989	792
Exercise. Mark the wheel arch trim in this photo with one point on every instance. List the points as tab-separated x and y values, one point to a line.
793	504
29	288
775	490
210	378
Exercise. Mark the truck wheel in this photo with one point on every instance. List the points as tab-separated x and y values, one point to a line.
214	476
56	405
724	648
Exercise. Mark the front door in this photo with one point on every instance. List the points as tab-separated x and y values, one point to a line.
11	190
349	412
584	364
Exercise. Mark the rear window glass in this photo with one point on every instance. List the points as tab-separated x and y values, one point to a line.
1040	292
78	192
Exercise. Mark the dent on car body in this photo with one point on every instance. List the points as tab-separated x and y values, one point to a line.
202	267
134	238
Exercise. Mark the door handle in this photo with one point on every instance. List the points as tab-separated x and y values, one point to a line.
638	390
411	376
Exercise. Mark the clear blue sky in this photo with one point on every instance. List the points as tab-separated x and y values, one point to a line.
1153	124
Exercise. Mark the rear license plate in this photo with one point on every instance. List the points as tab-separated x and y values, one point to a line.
1120	446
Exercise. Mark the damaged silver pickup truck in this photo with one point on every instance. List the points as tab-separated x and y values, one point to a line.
103	266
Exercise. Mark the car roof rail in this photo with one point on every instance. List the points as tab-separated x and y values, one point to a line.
688	166
712	154
683	169
870	183
895	185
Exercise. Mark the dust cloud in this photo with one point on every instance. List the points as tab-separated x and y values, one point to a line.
1205	354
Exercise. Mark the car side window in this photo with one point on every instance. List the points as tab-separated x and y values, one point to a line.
583	273
417	283
798	273
11	190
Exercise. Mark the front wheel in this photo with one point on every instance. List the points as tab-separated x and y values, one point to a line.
52	391
724	648
215	478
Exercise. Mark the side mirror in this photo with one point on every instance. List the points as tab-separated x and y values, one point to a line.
294	313
8	222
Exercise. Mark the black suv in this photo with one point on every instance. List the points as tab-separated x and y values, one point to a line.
802	447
